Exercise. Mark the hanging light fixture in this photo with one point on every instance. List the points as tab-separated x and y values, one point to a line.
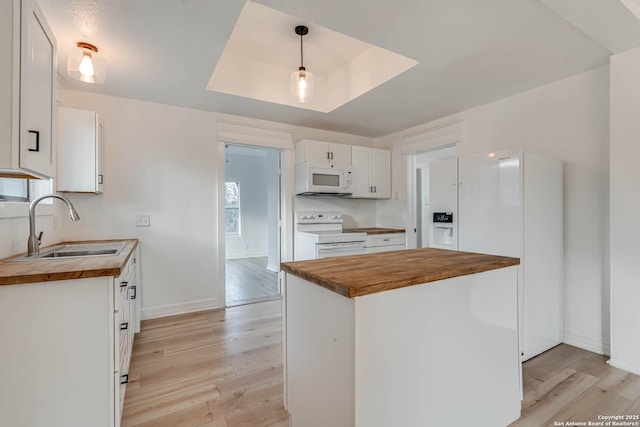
302	80
85	65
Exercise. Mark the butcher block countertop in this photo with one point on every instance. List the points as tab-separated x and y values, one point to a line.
373	230
19	272
360	275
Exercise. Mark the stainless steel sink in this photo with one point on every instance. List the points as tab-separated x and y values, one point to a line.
78	250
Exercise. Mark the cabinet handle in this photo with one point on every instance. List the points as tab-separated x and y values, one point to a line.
37	141
385	240
124	379
328	155
124	326
134	292
370	189
331	156
375	189
100	179
123	284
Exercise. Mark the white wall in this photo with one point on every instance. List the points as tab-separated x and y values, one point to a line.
568	120
162	161
14	228
256	176
158	160
625	207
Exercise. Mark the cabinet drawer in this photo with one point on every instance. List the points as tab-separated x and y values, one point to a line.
377	249
391	239
121	284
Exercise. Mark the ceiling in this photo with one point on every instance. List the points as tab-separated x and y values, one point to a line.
469	52
263	50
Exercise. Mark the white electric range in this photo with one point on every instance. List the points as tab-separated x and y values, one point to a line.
319	235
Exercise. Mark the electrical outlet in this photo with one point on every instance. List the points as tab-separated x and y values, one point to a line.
143	221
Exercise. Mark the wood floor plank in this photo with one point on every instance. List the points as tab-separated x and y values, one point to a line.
161	402
193	416
549	363
634	409
551	396
591	404
181	362
248	280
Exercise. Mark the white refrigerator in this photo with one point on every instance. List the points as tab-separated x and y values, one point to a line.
511	204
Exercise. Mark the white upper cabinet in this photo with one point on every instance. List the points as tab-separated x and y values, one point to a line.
27	91
372	172
79	149
312	151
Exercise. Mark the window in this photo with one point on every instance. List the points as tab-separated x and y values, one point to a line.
24	190
14	190
232	208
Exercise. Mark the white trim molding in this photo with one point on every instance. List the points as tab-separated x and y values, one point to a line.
181	308
623	366
446	134
586	343
249	135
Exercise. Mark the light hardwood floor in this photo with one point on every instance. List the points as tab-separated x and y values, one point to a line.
248	280
224	369
570	384
215	369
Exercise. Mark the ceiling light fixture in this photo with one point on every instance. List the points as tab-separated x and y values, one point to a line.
86	65
302	80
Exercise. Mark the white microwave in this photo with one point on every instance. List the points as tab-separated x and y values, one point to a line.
323	180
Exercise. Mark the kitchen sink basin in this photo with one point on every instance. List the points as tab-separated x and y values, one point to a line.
67	254
78	250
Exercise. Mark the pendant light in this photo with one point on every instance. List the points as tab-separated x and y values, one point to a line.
86	65
302	80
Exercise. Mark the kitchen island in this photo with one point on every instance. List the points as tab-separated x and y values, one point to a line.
422	337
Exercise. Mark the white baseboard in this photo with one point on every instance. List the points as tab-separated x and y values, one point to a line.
182	308
586	343
621	365
245	255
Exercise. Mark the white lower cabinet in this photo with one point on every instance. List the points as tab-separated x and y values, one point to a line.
65	350
384	242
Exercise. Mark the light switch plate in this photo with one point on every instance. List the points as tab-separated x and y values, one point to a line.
143	221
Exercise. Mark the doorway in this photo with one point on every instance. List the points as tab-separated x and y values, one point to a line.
252	218
421	176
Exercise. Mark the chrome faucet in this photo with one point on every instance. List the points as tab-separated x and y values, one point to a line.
33	244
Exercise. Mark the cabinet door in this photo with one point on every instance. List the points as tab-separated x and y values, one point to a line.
37	87
78	147
340	154
490	204
380	173
361	162
99	155
312	151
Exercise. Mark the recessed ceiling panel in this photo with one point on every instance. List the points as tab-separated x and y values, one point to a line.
263	50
